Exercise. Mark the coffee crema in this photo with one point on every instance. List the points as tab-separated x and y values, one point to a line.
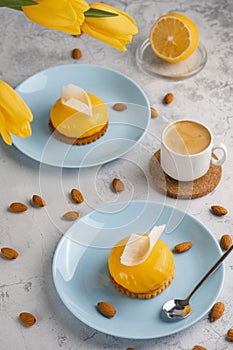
187	137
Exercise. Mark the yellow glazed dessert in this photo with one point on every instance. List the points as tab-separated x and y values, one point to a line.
149	277
78	117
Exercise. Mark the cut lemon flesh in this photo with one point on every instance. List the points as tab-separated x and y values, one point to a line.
174	37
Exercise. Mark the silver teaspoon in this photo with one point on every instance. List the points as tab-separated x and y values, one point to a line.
177	309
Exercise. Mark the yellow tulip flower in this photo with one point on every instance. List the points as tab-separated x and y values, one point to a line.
63	15
15	115
115	31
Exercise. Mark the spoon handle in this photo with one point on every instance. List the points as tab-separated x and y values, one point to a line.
213	268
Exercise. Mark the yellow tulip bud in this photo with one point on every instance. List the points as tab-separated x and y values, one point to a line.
63	15
116	31
15	115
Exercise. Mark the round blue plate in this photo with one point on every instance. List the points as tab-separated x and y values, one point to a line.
80	269
125	130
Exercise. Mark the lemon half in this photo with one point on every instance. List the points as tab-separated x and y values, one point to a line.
174	37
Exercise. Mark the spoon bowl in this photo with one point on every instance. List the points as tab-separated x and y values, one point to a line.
176	309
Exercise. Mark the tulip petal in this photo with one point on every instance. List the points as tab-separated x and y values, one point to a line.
13	104
3	131
118	44
62	15
115	31
15	115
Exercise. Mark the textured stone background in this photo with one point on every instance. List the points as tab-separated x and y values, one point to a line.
26	284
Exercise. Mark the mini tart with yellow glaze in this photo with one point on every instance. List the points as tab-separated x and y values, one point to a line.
76	127
146	279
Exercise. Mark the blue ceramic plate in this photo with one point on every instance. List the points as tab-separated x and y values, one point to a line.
80	270
126	128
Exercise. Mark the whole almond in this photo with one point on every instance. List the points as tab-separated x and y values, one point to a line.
106	309
218	210
217	311
77	196
226	242
153	112
9	253
183	247
27	319
168	98
18	207
130	349
71	216
76	53
199	347
230	334
38	201
119	106
117	185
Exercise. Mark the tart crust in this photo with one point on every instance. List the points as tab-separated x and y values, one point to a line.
80	140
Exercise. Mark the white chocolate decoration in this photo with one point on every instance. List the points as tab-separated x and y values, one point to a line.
138	247
75	97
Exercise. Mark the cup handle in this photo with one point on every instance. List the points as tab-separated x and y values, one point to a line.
223	148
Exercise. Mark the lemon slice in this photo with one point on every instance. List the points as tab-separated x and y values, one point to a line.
75	97
174	37
138	247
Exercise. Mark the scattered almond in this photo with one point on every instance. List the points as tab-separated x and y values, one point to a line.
226	242
153	112
117	185
106	309
168	98
77	196
18	207
230	334
9	253
217	311
27	319
183	247
199	347
71	216
119	106
38	201
218	210
76	53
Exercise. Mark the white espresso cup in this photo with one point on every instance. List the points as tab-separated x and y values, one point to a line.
187	150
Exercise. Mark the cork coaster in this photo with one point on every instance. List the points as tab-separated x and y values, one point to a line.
181	189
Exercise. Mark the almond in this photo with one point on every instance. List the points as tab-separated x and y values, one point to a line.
76	53
9	253
168	98
38	201
217	311
119	106
230	334
106	309
183	247
226	242
130	349
218	210
199	347
117	185
77	196
18	207
153	112
27	319
71	216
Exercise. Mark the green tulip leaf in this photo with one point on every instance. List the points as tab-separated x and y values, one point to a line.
99	13
16	4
